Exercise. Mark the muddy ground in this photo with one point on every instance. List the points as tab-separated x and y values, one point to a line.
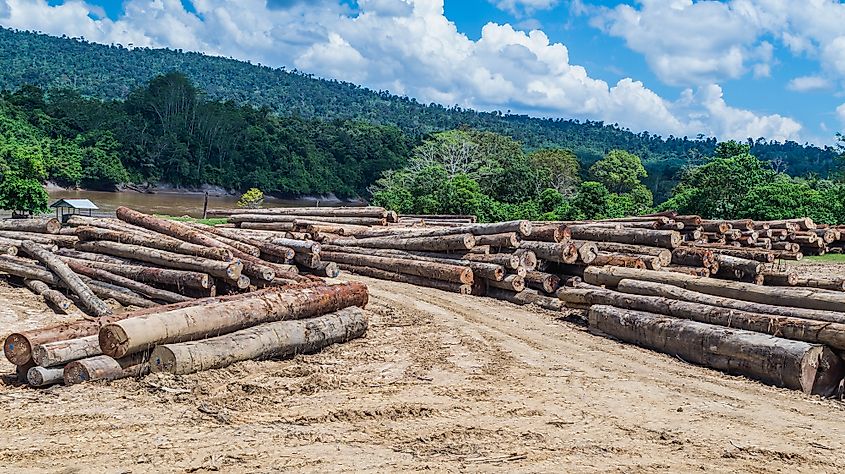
442	382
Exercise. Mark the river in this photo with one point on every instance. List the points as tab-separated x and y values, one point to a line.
170	203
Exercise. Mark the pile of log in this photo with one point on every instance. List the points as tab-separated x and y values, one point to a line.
187	337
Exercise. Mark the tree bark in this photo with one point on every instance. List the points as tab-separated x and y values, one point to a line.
561	253
55	353
664	255
42	377
549	233
618	260
669	239
326	269
276	226
276	340
265	248
527	259
687	270
142	288
545	282
226	270
825	284
811	368
510	282
178	279
509	240
438	271
443	285
510	261
140	333
66	241
647	288
160	242
103	367
94	304
94	257
763	256
426	244
55	298
41	226
693	257
780	278
525	297
809	298
747	268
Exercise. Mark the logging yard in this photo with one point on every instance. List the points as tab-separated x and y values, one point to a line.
356	339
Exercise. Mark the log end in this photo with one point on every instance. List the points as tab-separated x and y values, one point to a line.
17	349
162	359
114	341
75	373
822	372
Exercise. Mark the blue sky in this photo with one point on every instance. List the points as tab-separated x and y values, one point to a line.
730	69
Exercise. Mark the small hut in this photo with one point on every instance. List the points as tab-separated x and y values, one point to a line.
68	207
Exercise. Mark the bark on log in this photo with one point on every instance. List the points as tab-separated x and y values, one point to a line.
693	257
368	211
41	226
669	239
664	255
762	256
160	242
91	302
811	368
55	353
103	223
527	259
279	226
426	244
326	269
510	282
511	261
268	341
479	269
647	288
311	260
526	297
43	239
587	251
545	282
438	271
797	297
549	233
178	279
141	333
226	270
821	283
451	287
561	253
124	296
42	377
617	260
748	268
142	288
510	240
94	257
780	278
687	270
55	298
715	227
103	367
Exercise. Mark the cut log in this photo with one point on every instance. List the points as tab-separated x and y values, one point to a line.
438	271
587	251
43	239
426	244
687	270
226	270
273	340
103	367
326	269
561	253
810	298
510	240
527	259
94	257
55	298
511	261
55	353
276	226
780	278
545	282
617	260
42	377
95	305
693	257
41	226
525	297
759	255
669	239
811	368
549	233
142	288
140	333
161	242
746	268
510	282
103	223
837	284
647	288
451	287
664	255
122	295
178	279
237	247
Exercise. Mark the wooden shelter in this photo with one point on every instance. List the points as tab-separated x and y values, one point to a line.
69	207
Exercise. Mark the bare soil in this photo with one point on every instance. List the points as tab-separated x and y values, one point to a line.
441	382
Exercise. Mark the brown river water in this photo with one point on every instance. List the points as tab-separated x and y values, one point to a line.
170	203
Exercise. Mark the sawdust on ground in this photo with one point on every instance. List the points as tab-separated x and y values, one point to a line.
441	382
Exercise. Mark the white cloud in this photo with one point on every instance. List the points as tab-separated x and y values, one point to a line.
808	83
411	48
520	7
840	112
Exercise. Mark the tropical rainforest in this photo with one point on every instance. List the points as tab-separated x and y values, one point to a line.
97	116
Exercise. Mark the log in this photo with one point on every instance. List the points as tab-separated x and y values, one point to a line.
809	298
549	233
226	270
693	257
545	282
587	251
747	268
179	279
43	239
715	227
104	223
510	282
617	260
326	269
91	302
687	270
299	246
276	340
669	239
142	288
94	257
42	377
103	367
664	255
56	353
124	296
277	226
160	242
763	256
238	248
438	271
40	225
311	260
811	368
510	261
780	278
561	253
510	240
55	298
452	287
525	297
527	259
426	244
647	288
140	333
837	284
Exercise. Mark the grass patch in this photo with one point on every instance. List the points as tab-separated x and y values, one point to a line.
209	221
827	258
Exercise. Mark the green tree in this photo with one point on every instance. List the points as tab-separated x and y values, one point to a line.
251	199
558	169
619	171
592	200
24	195
786	198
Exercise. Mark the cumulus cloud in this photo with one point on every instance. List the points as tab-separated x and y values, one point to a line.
840	112
409	47
808	83
520	7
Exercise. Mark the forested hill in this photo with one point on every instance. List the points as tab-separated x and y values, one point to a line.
112	72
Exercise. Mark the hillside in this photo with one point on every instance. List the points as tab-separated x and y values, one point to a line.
112	72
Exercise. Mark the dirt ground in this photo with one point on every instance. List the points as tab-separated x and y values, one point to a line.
441	382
